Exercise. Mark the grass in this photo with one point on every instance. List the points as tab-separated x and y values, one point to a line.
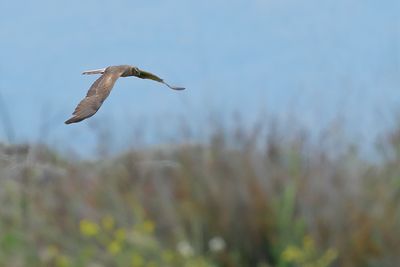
241	198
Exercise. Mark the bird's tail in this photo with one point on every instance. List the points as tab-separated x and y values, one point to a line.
98	71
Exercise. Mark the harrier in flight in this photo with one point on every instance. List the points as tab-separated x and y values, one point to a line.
102	87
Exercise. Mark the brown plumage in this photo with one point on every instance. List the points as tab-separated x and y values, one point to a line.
102	87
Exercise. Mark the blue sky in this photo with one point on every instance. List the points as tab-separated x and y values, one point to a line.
315	60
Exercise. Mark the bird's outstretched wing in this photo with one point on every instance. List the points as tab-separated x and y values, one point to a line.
147	75
95	97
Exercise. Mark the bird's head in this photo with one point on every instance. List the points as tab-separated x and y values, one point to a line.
129	71
135	71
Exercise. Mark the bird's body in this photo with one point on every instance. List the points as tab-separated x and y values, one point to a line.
102	87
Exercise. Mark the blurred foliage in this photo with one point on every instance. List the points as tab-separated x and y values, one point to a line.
242	198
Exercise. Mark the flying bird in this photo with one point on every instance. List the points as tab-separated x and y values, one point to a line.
102	87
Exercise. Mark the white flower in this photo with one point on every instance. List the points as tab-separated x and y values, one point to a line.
216	244
185	249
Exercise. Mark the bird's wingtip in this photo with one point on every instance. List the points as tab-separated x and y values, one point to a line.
72	120
178	88
174	87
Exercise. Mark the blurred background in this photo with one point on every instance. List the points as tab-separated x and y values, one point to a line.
283	151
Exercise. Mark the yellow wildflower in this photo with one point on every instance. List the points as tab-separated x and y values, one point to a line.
88	228
329	256
120	234
52	250
308	255
107	222
292	254
114	247
148	226
308	243
62	261
137	260
167	256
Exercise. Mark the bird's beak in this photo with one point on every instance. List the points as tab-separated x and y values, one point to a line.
98	71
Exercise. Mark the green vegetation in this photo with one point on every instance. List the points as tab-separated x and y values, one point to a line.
243	198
